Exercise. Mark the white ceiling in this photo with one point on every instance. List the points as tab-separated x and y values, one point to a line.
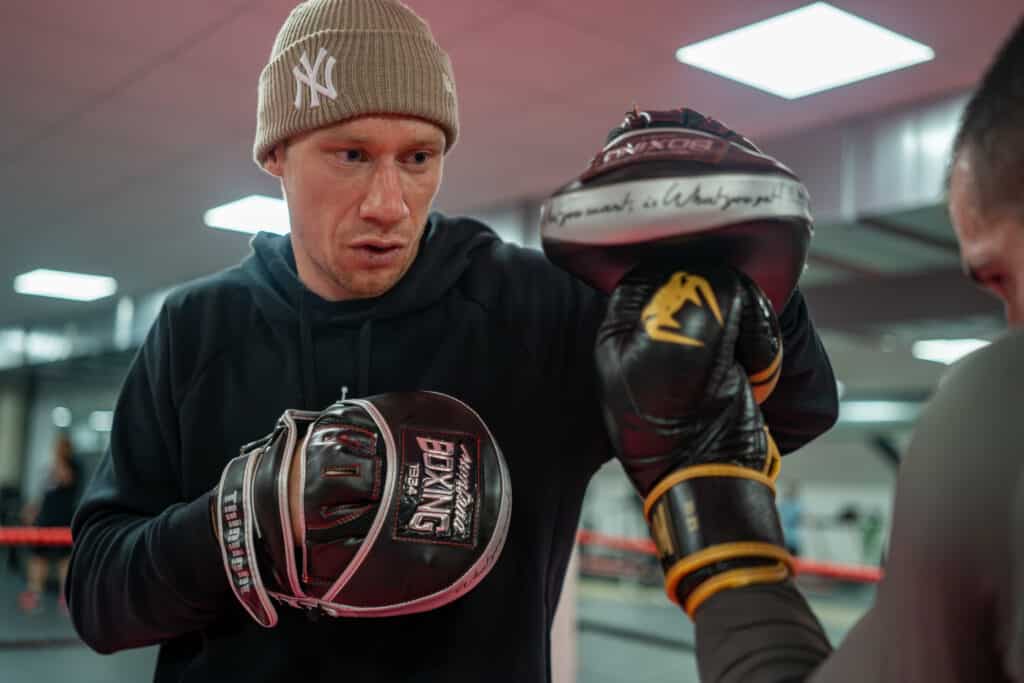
124	120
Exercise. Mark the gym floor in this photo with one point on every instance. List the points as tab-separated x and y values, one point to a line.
626	633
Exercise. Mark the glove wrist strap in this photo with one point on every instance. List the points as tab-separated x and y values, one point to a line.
236	532
716	527
763	382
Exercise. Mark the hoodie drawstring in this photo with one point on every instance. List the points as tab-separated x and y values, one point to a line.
363	356
307	353
307	357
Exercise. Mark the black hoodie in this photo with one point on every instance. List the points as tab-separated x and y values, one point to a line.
490	323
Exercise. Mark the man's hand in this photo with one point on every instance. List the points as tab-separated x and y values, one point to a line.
294	497
320	513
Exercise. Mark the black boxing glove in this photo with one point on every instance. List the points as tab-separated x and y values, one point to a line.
405	504
677	355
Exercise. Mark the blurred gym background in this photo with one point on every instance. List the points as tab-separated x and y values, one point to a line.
125	122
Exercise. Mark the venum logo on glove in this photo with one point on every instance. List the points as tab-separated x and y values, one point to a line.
659	316
440	484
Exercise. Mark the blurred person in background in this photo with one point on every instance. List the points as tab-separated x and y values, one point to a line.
950	608
55	509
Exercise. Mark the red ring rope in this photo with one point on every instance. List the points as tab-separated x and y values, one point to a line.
831	570
32	535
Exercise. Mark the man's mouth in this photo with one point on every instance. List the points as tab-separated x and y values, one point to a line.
377	246
377	254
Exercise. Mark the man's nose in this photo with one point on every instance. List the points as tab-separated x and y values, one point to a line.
384	202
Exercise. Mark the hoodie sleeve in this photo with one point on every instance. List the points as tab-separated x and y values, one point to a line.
145	566
805	403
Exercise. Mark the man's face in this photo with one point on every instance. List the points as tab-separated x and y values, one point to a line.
358	196
991	240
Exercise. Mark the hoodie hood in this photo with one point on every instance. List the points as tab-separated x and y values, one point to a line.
443	256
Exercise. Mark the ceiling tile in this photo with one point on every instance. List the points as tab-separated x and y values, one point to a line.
535	56
451	21
48	78
141	30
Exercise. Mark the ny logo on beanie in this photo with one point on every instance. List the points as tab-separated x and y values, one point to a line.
309	78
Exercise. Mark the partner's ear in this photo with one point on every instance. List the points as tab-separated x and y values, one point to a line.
274	162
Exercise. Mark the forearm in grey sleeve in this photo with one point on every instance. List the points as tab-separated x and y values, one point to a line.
758	634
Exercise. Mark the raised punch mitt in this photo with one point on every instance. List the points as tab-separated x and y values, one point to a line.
679	187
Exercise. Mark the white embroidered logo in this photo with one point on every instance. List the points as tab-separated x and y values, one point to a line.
308	78
449	87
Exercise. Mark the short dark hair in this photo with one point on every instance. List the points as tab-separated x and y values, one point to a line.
992	127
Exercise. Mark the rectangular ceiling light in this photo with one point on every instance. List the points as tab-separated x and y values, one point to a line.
101	420
62	285
807	50
871	412
945	351
251	214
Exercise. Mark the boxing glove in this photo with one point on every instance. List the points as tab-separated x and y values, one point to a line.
685	354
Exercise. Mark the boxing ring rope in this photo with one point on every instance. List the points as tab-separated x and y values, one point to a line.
637	547
32	535
831	570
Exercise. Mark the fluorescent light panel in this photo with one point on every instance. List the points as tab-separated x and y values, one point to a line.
43	347
945	351
251	214
61	417
59	284
869	412
101	420
807	50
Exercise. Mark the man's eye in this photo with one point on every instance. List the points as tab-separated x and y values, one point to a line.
420	158
352	155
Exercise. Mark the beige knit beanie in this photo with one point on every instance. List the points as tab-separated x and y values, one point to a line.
337	59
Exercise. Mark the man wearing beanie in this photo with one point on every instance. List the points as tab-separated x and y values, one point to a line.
370	294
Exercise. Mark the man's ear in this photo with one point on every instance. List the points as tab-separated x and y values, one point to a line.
274	162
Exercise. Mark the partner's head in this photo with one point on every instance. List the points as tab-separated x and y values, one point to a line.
986	184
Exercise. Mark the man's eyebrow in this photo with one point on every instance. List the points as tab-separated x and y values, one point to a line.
355	139
426	142
347	138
